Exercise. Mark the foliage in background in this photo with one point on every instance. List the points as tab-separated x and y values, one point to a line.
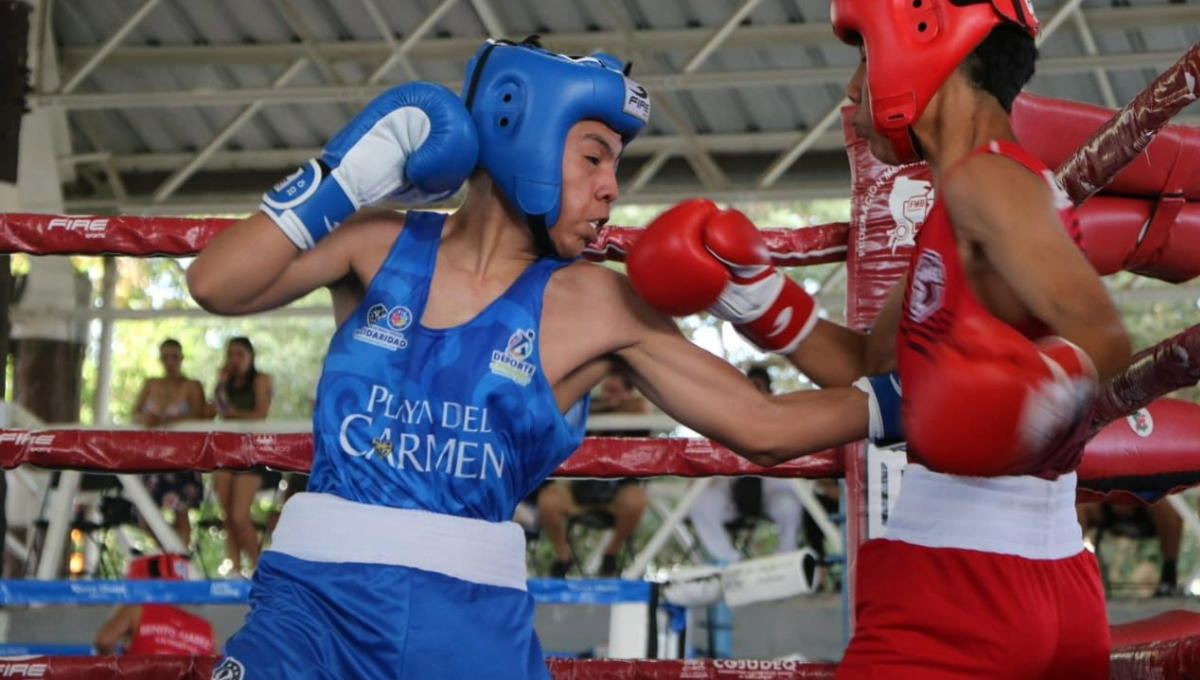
290	349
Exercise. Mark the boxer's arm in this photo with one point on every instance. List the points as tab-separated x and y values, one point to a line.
695	256
706	394
836	356
117	630
1024	241
251	266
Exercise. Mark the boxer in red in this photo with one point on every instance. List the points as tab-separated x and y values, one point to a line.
156	629
1000	330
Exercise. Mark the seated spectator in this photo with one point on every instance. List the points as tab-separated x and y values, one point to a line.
162	401
728	500
156	629
623	499
1159	519
242	393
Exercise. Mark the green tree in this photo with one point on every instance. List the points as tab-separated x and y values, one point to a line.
289	348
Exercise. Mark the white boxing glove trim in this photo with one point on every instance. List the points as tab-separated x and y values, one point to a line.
389	143
743	271
290	225
1063	399
804	332
742	302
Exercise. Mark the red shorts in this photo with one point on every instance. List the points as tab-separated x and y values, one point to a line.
946	613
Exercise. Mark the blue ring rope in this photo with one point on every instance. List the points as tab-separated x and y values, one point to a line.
23	593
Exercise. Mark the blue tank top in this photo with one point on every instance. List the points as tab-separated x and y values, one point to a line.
459	421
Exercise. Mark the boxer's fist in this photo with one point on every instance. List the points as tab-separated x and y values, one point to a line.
695	257
995	403
415	143
668	264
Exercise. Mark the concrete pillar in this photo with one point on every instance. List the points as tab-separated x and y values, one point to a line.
14	81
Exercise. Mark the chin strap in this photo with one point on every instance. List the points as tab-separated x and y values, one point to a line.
541	236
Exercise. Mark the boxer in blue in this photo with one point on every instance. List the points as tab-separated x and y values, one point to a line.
459	374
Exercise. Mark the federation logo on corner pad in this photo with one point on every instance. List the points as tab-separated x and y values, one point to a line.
385	327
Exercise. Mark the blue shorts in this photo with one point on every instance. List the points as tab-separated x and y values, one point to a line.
331	621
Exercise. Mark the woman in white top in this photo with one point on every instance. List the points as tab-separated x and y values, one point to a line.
162	401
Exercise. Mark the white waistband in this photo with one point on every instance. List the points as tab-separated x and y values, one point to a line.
324	528
1024	516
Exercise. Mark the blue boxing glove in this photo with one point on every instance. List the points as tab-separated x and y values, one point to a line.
415	143
883	398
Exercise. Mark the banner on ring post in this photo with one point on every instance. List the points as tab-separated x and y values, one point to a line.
888	207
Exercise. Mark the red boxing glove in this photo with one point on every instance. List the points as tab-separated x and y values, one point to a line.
995	403
695	257
668	265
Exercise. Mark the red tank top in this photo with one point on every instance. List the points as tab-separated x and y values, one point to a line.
170	631
938	293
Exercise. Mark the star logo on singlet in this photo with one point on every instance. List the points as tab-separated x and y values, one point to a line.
229	669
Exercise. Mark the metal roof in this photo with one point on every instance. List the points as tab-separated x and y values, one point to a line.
178	106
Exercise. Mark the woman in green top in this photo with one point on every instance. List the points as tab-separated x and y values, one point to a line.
242	393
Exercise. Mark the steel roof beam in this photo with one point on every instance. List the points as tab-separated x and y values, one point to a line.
459	48
698	158
386	32
189	168
491	23
400	53
807	140
720	36
276	159
312	50
1107	94
106	48
655	82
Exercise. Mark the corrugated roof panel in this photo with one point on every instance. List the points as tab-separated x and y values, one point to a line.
196	21
653	14
82	24
813	11
302	127
111	127
316	18
721	107
1082	87
251	20
558	17
772	13
726	110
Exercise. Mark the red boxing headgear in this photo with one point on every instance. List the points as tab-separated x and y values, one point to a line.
912	46
167	567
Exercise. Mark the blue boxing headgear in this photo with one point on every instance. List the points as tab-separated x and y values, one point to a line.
525	99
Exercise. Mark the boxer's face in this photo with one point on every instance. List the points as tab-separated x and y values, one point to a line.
589	186
864	120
